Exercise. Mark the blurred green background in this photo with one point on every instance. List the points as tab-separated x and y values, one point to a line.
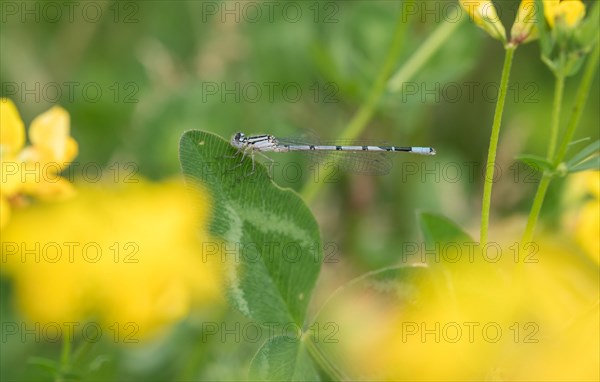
164	67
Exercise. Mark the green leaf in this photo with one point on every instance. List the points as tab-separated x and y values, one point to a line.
587	154
277	251
55	368
591	164
443	236
283	359
280	250
97	362
451	259
574	62
440	230
587	33
44	363
536	162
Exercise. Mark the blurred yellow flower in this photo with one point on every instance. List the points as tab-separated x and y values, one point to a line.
130	257
33	170
12	134
484	14
582	216
500	314
523	29
569	12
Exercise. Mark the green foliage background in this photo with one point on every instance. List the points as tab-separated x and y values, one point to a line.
165	57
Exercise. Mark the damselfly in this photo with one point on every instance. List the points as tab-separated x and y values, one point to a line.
366	159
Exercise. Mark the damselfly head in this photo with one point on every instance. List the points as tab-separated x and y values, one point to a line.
238	139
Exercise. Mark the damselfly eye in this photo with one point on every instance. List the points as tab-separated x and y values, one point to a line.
239	136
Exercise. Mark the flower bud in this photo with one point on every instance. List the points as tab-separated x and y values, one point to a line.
524	29
484	15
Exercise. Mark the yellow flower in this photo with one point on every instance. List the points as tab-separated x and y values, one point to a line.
130	257
483	317
484	14
4	211
569	12
33	170
582	216
523	29
12	134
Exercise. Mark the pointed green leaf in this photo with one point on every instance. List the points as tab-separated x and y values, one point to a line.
438	229
536	162
584	154
44	363
97	362
574	62
283	358
274	238
587	33
443	237
591	164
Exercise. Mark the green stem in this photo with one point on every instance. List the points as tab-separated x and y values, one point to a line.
81	352
580	101
556	109
66	351
357	124
491	159
65	356
536	207
323	361
422	55
366	111
364	114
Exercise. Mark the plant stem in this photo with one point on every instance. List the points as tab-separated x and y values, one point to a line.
357	124
65	356
536	207
580	101
491	159
65	353
364	114
422	55
556	109
323	361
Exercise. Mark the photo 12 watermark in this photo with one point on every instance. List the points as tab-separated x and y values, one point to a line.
469	252
71	92
467	92
269	91
54	332
320	168
260	332
125	12
71	252
290	252
489	332
53	172
252	12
